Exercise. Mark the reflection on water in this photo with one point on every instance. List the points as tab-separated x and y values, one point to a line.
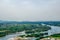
54	30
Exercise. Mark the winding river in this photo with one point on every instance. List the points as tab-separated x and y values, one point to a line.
54	30
12	35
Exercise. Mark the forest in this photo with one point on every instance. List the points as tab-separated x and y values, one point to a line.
6	29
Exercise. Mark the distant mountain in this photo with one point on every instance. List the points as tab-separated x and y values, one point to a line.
29	22
1	21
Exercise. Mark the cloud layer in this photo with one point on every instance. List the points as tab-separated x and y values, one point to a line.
30	10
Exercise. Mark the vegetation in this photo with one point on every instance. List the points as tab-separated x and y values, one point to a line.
38	36
56	35
53	23
32	30
12	28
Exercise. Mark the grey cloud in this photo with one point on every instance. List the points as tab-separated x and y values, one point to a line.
30	10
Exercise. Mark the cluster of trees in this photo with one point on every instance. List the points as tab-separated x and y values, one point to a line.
40	28
56	23
4	33
56	35
12	28
38	36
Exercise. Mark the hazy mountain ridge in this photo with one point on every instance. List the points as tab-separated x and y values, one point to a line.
29	22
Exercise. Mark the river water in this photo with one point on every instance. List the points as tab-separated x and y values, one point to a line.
54	30
12	35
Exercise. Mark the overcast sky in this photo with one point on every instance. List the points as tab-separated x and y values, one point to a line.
30	10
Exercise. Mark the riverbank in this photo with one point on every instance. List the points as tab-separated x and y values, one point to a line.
8	28
17	34
52	37
24	38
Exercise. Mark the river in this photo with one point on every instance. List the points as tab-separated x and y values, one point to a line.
54	30
12	35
